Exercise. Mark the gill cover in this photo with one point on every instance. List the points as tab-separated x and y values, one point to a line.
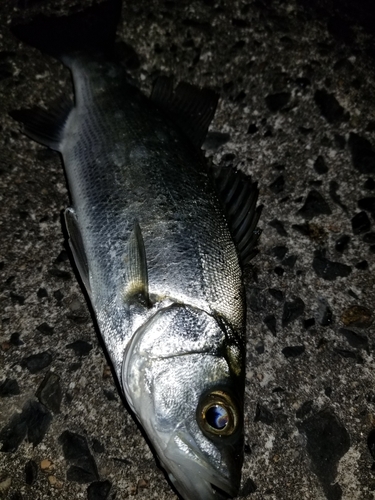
184	393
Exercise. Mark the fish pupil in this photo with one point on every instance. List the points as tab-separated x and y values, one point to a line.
217	417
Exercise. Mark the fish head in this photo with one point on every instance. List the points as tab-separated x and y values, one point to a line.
182	375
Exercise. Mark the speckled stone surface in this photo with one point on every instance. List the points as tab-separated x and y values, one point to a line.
297	113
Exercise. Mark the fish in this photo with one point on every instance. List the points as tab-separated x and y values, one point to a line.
160	239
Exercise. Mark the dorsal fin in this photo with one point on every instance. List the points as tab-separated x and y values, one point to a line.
190	107
44	126
239	196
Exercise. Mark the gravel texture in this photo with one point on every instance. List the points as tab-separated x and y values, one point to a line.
297	113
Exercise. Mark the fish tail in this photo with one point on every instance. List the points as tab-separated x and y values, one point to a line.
92	31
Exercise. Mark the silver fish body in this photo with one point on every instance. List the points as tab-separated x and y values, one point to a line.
150	233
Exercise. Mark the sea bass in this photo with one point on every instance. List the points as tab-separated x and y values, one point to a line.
159	240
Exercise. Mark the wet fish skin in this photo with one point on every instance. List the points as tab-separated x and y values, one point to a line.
151	240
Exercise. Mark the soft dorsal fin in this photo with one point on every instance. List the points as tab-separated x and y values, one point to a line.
239	196
190	107
136	275
44	126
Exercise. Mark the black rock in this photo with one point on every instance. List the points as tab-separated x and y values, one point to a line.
248	487
260	349
58	295
276	294
110	395
324	313
302	82
277	185
333	188
290	261
342	243
371	443
314	205
80	347
292	310
275	102
33	422
329	107
75	449
36	362
308	323
58	273
97	446
293	351
256	299
303	229
279	251
62	257
17	299
328	269
9	388
17	495
367	204
354	339
42	292
252	128
270	322
361	223
45	329
340	141
262	414
369	184
363	154
304	409
345	353
279	271
279	226
369	238
362	266
31	472
320	165
15	339
327	441
99	490
49	392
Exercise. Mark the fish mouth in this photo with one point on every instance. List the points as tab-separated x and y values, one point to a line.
192	474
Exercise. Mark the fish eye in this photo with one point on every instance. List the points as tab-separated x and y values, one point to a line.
217	414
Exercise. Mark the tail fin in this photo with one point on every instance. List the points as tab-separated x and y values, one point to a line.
92	30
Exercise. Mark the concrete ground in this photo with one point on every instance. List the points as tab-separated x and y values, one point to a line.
296	112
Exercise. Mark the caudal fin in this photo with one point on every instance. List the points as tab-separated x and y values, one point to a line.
91	30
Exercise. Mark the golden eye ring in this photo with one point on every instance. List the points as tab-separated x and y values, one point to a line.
217	414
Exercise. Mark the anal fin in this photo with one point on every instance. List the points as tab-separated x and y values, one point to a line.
239	196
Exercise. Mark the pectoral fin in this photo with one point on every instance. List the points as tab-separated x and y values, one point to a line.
136	276
77	248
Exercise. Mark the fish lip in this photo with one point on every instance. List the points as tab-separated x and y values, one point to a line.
208	483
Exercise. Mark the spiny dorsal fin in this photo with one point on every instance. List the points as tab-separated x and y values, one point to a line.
136	274
239	196
44	126
188	106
